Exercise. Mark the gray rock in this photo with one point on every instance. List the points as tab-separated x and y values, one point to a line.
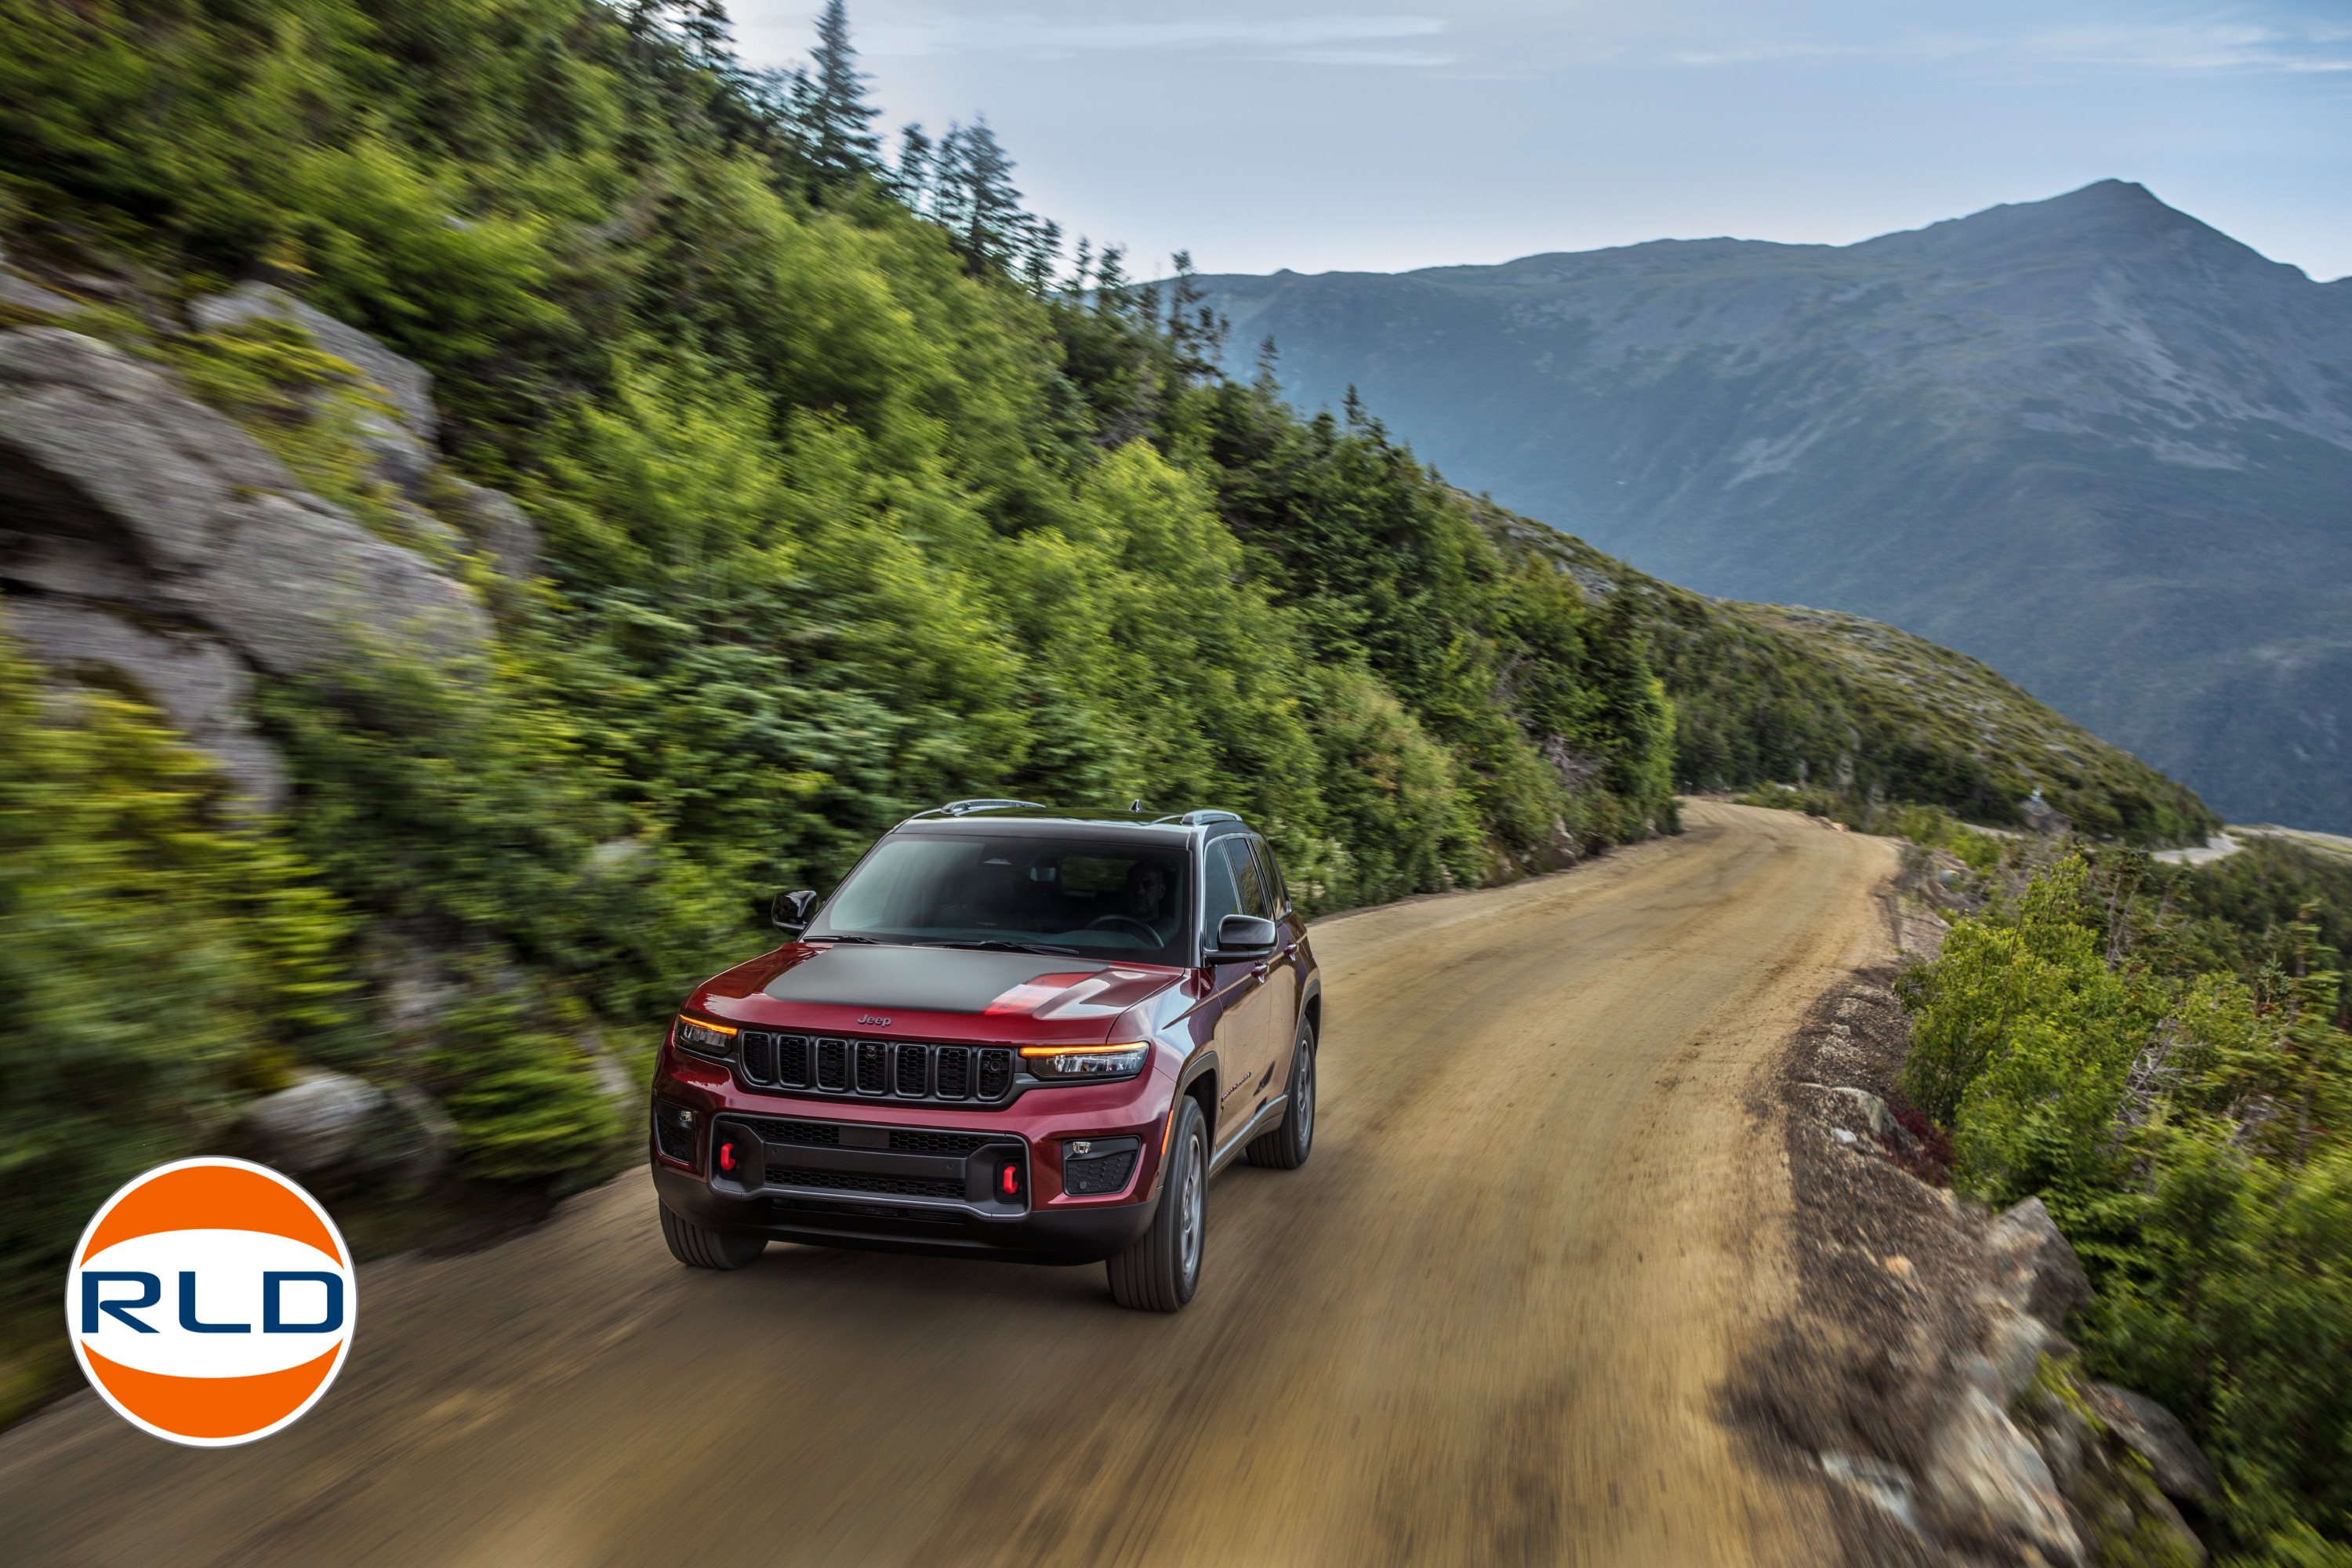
1986	1485
29	296
1867	1106
497	527
2156	1435
399	458
96	445
407	384
298	583
2034	1266
193	681
2014	1344
312	1126
166	552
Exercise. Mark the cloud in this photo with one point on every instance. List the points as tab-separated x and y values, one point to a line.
2204	47
2210	45
1316	40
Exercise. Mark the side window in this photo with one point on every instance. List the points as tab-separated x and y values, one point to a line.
1221	886
1250	876
1277	894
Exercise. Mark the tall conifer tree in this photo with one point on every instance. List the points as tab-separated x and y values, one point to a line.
837	120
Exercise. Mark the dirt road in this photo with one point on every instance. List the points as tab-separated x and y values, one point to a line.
1483	1325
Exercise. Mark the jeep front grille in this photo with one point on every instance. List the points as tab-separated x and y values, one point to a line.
877	1069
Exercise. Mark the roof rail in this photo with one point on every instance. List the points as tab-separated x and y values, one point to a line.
1197	818
958	807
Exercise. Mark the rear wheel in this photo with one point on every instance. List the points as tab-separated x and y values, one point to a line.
1286	1148
1158	1273
699	1247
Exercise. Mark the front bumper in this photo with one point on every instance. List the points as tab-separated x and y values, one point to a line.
903	1178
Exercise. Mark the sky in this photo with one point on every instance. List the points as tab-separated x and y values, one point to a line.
1382	135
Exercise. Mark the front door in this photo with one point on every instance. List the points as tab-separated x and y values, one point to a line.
1246	1028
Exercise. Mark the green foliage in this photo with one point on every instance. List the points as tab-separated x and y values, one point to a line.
527	1104
155	968
1857	716
2176	1084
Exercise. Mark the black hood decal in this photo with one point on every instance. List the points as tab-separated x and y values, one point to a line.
916	979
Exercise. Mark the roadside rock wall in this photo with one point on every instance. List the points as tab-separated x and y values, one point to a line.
150	545
1927	1376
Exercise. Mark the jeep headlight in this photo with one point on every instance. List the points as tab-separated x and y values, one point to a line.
1067	1064
704	1038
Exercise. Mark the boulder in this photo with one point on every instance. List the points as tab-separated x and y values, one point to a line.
494	525
99	447
406	384
2014	1344
312	1126
2156	1435
28	296
2033	1266
143	533
1987	1485
195	681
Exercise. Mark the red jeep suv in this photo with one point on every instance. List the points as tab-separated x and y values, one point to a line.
1010	1032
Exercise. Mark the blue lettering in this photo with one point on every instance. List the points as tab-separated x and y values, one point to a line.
91	1306
188	1310
273	1282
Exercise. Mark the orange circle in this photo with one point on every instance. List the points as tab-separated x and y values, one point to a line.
187	1399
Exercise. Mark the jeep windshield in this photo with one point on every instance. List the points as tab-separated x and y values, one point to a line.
1090	896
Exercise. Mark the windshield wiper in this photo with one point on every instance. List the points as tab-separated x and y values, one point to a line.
994	945
868	941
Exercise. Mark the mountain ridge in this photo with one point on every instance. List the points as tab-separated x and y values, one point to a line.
2091	440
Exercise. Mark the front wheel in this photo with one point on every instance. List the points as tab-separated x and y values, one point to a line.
1286	1148
699	1247
1160	1272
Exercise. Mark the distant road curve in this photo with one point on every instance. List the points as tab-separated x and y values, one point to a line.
1483	1325
2230	840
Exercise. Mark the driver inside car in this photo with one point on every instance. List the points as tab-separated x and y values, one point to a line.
1148	898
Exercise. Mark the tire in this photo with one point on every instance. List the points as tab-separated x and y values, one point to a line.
699	1247
1160	1271
1286	1147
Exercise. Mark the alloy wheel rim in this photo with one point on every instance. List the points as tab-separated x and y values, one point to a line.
1306	1096
1188	1238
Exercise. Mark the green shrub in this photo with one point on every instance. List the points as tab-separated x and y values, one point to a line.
155	968
2191	1129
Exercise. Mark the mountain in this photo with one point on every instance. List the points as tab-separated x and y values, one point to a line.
2090	440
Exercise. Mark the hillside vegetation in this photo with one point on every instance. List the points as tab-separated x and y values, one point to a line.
848	502
1854	716
2162	1056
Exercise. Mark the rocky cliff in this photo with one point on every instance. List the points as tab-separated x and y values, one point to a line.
150	544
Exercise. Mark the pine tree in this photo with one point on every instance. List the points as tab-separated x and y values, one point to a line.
837	118
1110	282
913	176
986	218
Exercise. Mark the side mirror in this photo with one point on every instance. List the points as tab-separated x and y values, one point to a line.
1241	938
791	911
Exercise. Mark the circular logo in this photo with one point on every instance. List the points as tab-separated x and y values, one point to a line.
211	1301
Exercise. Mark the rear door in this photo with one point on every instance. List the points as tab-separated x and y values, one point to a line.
1246	1029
